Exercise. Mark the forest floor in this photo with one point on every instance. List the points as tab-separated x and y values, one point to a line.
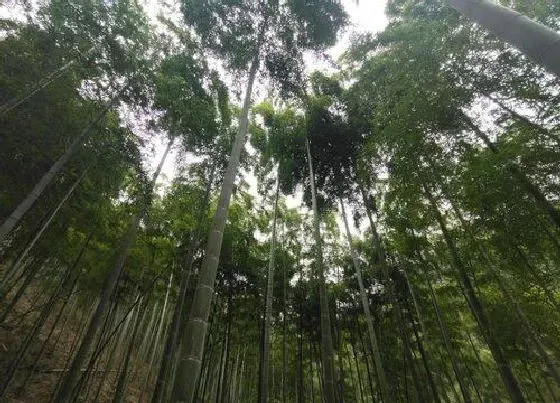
36	381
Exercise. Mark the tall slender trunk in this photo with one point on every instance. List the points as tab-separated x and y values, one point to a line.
192	347
239	396
533	383
105	336
113	342
311	375
123	377
470	374
30	275
378	246
71	377
273	376
353	383
535	338
47	223
39	354
37	326
203	386
232	392
239	392
284	330
12	220
327	353
220	377
158	334
356	363
539	280
523	119
420	346
385	391
450	381
39	85
365	351
210	342
339	344
408	353
224	397
108	365
178	319
509	379
263	372
359	384
301	393
214	381
319	367
415	303
537	41
73	341
447	342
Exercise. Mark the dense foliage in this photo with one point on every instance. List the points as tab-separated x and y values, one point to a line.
390	232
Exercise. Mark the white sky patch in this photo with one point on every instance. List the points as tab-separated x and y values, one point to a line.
365	16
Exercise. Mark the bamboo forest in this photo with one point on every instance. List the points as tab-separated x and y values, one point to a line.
280	201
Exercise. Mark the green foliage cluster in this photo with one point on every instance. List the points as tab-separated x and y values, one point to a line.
440	140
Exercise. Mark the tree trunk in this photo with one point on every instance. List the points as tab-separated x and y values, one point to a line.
16	215
73	341
311	375
220	376
224	396
263	373
71	377
319	367
384	386
533	383
353	382
509	379
108	367
378	246
341	374
420	344
301	390
526	121
123	377
192	347
327	354
447	342
365	351
178	320
47	223
284	331
357	364
30	275
38	86
535	338
239	390
207	356
204	385
409	357
232	390
45	342
537	41
33	333
158	334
